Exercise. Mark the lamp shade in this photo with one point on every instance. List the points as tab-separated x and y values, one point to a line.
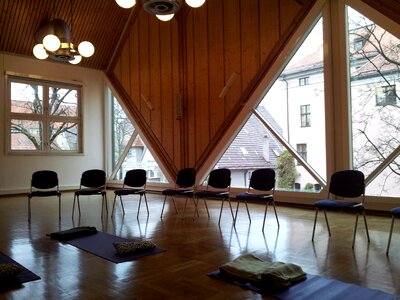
40	52
165	17
51	42
126	3
195	3
86	49
77	59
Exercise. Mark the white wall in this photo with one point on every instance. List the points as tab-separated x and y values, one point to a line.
16	170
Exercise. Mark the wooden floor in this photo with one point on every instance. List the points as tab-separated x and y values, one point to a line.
194	248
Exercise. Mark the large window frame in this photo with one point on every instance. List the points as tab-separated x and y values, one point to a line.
49	128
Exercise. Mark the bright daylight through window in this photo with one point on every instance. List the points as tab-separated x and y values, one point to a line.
44	116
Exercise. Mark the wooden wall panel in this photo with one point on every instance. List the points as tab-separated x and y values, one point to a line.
216	65
195	55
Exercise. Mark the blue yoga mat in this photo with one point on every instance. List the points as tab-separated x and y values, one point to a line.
24	276
101	244
313	288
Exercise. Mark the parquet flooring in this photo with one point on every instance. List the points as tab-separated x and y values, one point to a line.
194	248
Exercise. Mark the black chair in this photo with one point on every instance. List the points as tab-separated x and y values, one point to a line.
93	182
218	186
44	184
395	214
261	188
344	184
184	186
134	184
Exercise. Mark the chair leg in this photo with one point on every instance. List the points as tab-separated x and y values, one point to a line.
390	236
122	204
265	214
366	225
147	206
205	204
113	207
220	211
29	209
196	210
230	206
327	223
236	213
315	223
248	212
162	210
59	207
276	214
355	230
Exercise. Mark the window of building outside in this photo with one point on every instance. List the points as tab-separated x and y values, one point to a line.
256	146
305	115
45	117
359	44
375	113
303	80
302	150
386	95
129	151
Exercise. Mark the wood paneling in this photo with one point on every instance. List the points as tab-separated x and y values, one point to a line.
211	44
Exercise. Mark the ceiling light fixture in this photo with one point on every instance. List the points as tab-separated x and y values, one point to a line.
53	40
164	10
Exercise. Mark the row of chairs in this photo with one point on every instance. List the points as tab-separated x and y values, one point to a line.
261	188
344	184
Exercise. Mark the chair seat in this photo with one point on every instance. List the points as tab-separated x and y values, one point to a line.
124	192
396	212
251	196
173	192
212	194
333	204
90	191
44	194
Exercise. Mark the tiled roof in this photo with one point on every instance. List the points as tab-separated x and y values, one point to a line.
246	150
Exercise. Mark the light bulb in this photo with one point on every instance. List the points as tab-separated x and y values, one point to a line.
51	42
165	17
86	49
195	3
77	59
40	52
126	3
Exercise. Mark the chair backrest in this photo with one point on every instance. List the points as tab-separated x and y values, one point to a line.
219	178
347	184
44	179
262	179
135	178
186	177
93	178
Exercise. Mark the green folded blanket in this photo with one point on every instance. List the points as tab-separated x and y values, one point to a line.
274	274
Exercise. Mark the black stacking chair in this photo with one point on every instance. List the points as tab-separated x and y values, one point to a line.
93	182
134	184
346	184
218	185
395	214
44	183
261	189
184	186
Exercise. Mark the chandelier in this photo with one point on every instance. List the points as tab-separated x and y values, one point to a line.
53	40
164	10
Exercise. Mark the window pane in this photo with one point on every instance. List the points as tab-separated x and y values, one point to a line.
374	71
64	136
387	183
138	156
26	98
26	135
63	102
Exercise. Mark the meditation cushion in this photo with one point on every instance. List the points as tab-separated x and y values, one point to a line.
9	270
73	233
124	248
272	274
